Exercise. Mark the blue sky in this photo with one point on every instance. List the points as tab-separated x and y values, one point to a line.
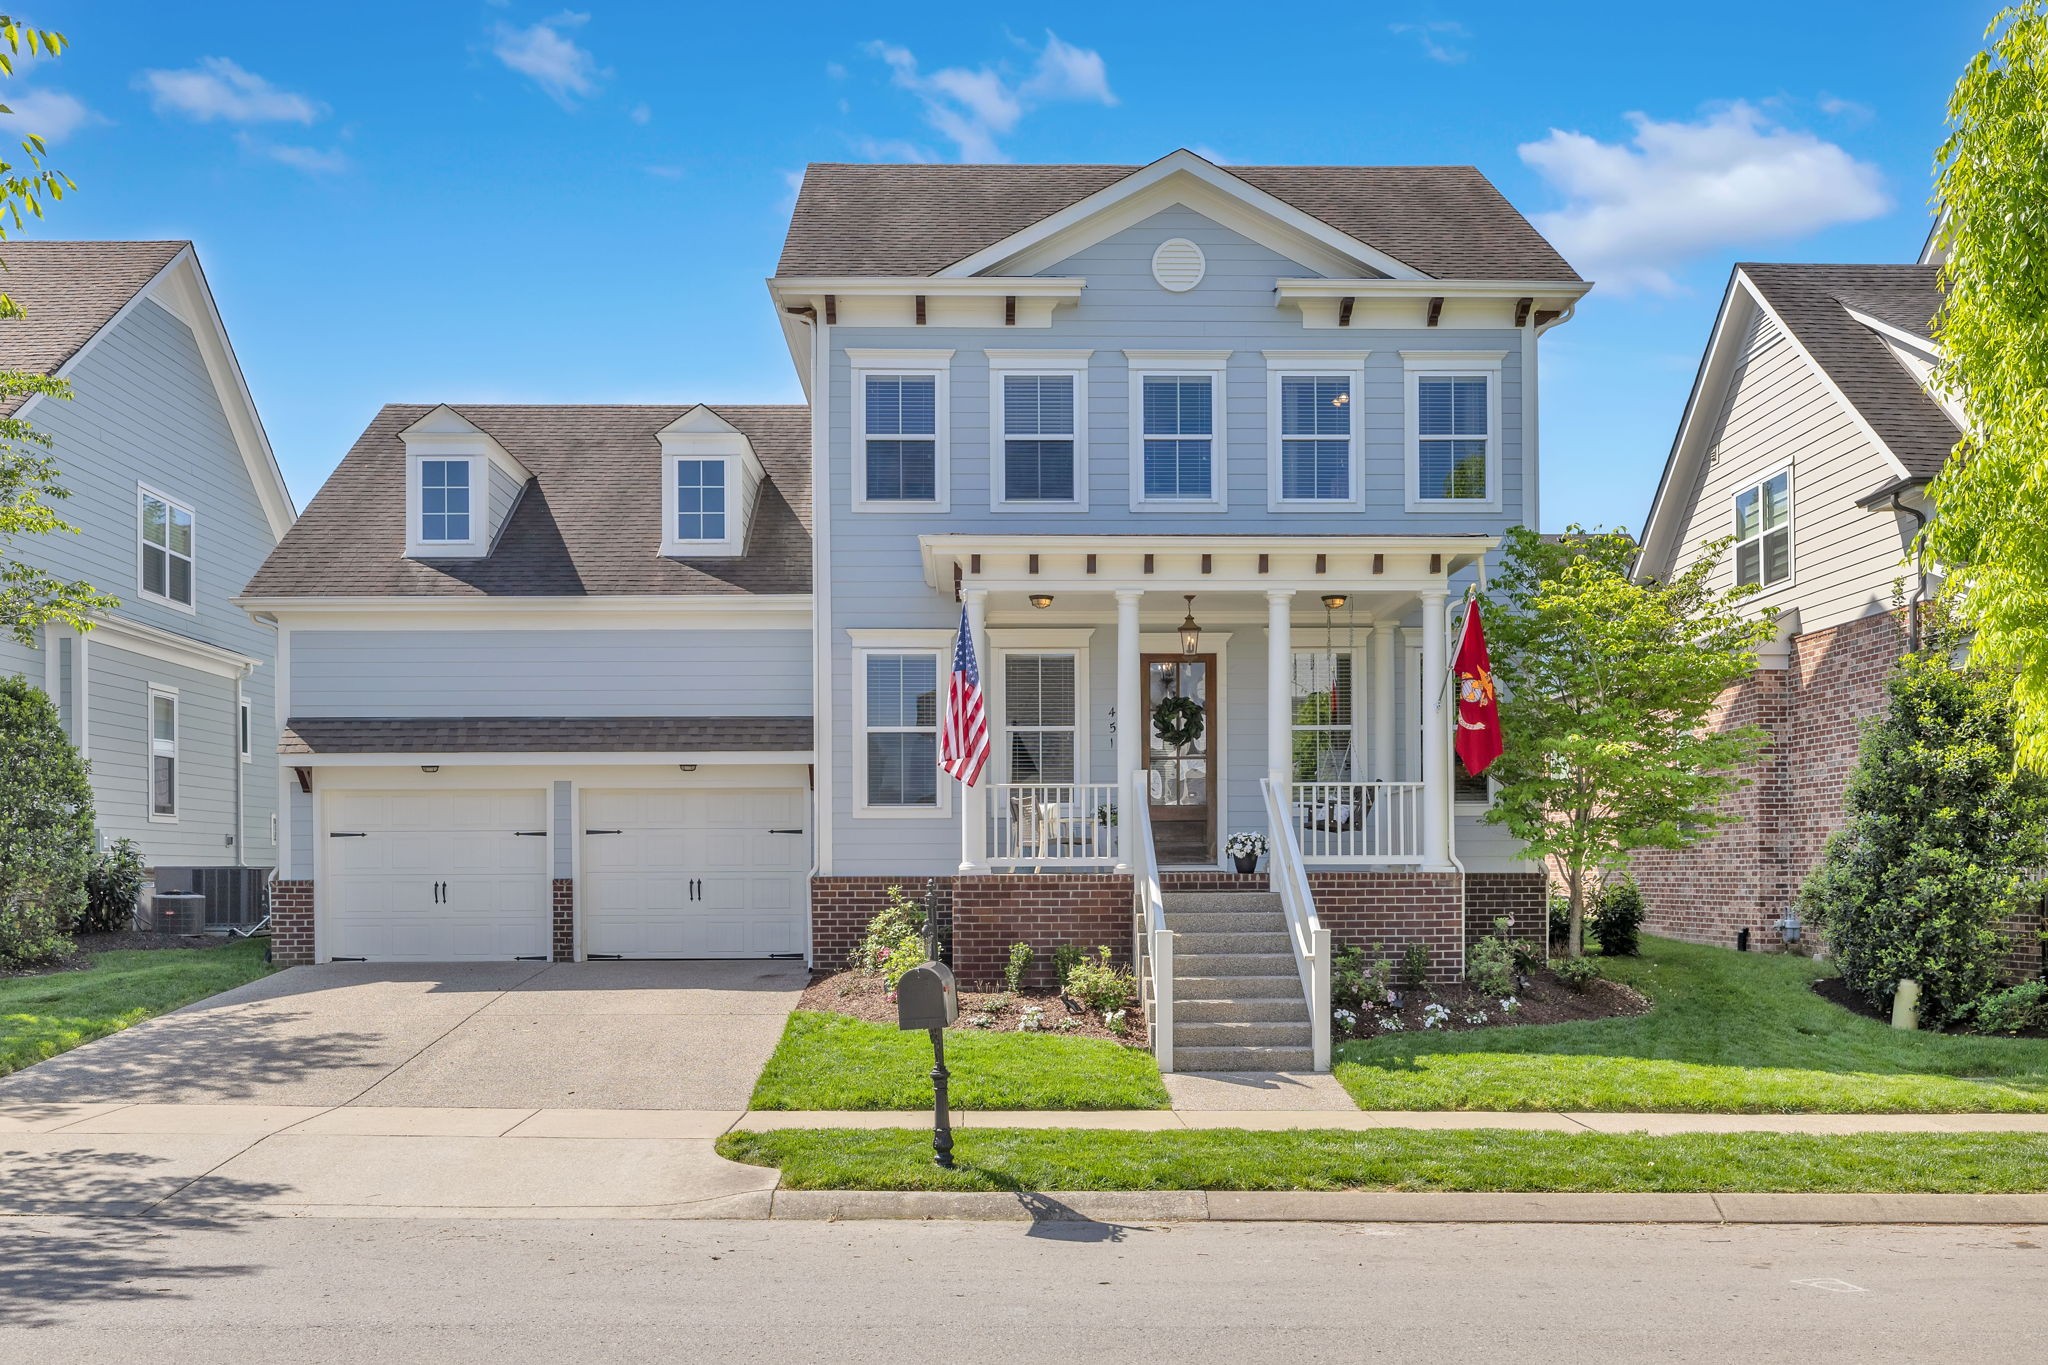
519	202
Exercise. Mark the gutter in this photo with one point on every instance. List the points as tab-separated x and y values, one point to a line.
1887	499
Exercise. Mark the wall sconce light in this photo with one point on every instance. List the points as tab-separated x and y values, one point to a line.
1041	600
1190	632
430	767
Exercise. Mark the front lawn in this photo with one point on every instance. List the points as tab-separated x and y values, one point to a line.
1399	1159
1730	1033
43	1015
831	1061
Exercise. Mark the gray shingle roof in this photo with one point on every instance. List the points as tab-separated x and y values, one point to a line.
545	735
1449	222
1814	300
69	291
589	524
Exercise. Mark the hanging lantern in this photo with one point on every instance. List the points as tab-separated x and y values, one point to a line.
1333	600
1190	633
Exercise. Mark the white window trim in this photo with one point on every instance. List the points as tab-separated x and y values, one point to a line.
245	727
143	493
999	698
867	362
1791	532
1003	364
875	642
673	545
1302	643
1282	365
1480	364
1179	364
151	754
417	546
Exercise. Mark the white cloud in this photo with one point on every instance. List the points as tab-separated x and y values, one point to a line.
641	114
1211	155
219	89
1636	211
894	149
51	115
545	55
973	107
311	160
1852	112
1435	38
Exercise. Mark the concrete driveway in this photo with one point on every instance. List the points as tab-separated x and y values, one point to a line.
515	1035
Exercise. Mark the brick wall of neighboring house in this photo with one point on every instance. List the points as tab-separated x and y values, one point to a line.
992	912
1523	897
1814	709
1388	911
2023	952
842	906
564	906
291	923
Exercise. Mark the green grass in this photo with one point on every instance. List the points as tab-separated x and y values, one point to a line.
41	1016
1399	1159
831	1061
1731	1033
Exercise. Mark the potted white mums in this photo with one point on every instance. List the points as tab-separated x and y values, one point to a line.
1246	848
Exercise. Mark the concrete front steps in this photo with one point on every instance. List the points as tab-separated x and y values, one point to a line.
1237	1002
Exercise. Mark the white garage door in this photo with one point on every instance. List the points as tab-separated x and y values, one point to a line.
694	874
435	876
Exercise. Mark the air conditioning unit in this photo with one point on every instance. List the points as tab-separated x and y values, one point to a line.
235	897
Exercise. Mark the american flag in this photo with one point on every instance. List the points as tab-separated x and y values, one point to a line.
963	739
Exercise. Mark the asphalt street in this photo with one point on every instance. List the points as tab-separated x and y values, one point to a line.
198	1288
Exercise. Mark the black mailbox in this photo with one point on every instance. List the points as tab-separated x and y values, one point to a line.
926	997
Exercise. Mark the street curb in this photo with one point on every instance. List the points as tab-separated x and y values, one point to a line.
1389	1206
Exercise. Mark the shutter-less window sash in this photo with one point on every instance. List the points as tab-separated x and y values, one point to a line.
1041	717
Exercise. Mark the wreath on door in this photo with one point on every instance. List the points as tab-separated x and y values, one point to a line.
1178	721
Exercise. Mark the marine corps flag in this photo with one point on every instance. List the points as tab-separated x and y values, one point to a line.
1478	742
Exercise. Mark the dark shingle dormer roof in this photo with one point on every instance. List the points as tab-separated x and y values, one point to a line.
1448	222
588	524
1815	302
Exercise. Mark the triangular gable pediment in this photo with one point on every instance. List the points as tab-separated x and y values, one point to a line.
1187	180
702	431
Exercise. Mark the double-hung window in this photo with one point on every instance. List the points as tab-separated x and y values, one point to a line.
899	712
1322	725
1041	717
166	550
1040	405
1177	428
1453	424
900	432
163	753
445	501
700	499
1763	531
1312	400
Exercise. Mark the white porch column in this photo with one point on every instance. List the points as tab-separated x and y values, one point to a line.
1380	704
1280	687
1130	706
974	799
1436	737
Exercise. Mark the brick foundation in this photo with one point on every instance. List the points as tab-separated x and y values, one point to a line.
1213	881
563	904
842	906
291	923
992	912
1523	897
1815	708
1387	911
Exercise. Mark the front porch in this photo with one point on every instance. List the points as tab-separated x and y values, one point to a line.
1305	668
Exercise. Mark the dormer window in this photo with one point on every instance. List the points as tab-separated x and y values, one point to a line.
710	479
444	501
461	487
700	499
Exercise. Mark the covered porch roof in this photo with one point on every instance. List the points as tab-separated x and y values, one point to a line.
1052	563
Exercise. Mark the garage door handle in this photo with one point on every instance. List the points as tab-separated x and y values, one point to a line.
785	831
333	834
529	834
604	831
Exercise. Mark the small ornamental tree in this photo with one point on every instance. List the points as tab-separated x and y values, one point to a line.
1942	831
46	831
1607	686
1991	528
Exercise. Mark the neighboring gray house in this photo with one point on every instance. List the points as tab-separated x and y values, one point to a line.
616	681
171	696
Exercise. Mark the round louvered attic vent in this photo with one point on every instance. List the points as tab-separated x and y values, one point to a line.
1178	265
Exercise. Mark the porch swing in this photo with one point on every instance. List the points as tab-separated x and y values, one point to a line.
1328	810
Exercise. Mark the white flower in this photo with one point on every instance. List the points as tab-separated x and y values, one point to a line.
1435	1015
1345	1019
1390	1023
1510	1005
1476	1017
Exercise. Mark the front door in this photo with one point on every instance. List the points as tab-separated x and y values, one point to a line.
1180	764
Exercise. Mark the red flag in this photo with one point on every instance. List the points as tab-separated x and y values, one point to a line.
1478	742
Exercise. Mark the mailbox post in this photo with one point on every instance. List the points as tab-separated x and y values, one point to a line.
926	998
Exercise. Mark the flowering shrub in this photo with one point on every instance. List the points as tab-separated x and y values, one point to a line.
1391	1023
1345	1020
1476	1018
1246	844
1099	986
1117	1021
1033	1020
1576	972
1435	1016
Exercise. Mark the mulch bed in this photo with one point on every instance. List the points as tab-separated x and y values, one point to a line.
864	996
1836	991
86	946
1545	1000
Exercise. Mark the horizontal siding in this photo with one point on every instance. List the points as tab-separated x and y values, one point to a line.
1846	560
551	673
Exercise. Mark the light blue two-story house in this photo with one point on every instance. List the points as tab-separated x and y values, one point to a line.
171	696
1203	456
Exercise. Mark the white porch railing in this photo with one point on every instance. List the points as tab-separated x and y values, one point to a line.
1151	940
1311	941
1356	822
1052	824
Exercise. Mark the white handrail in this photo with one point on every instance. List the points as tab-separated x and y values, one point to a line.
1310	940
1151	940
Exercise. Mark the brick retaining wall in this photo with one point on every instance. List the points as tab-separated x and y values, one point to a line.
1387	911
